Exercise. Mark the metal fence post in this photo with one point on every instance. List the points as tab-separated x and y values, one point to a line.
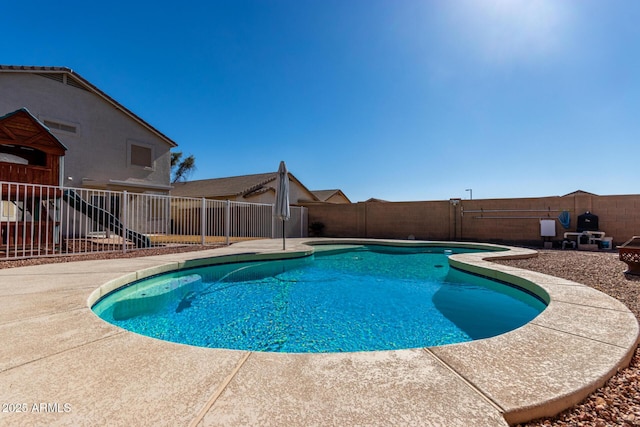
203	219
227	221
125	222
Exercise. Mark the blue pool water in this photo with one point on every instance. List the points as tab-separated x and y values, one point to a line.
362	299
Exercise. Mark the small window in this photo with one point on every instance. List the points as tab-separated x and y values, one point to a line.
141	156
59	77
75	83
60	126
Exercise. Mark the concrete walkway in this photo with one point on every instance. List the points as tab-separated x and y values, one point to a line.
62	365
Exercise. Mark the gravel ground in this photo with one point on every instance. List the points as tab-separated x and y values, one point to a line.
617	403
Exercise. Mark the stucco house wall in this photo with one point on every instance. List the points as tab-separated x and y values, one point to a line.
98	132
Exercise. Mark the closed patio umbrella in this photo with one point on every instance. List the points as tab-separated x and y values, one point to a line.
282	210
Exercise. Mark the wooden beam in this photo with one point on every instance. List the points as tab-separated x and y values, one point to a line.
7	131
31	141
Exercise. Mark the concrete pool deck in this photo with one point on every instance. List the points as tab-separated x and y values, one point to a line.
62	365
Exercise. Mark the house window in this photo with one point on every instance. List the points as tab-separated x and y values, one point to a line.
140	155
59	77
64	79
60	126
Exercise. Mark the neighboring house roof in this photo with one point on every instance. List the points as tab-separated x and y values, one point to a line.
231	187
325	195
22	128
76	80
374	200
221	187
578	192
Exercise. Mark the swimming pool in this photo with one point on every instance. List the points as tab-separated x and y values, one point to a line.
344	299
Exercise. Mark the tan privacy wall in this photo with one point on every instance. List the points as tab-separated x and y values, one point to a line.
490	220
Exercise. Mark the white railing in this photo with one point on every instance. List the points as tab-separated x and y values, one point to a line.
37	220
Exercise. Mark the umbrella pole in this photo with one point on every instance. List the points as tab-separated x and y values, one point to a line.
283	243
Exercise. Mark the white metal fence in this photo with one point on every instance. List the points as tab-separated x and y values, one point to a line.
37	220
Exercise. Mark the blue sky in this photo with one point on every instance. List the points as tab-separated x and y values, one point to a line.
396	99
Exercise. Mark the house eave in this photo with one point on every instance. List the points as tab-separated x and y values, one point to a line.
88	182
149	185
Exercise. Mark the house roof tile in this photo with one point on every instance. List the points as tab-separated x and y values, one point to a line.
231	187
223	187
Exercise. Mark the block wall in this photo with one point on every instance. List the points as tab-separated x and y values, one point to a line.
514	221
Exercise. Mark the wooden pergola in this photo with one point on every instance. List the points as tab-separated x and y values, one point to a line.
29	154
22	136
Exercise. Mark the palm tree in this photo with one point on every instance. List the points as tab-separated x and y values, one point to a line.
181	168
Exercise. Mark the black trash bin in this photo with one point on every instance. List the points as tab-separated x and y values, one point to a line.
587	222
